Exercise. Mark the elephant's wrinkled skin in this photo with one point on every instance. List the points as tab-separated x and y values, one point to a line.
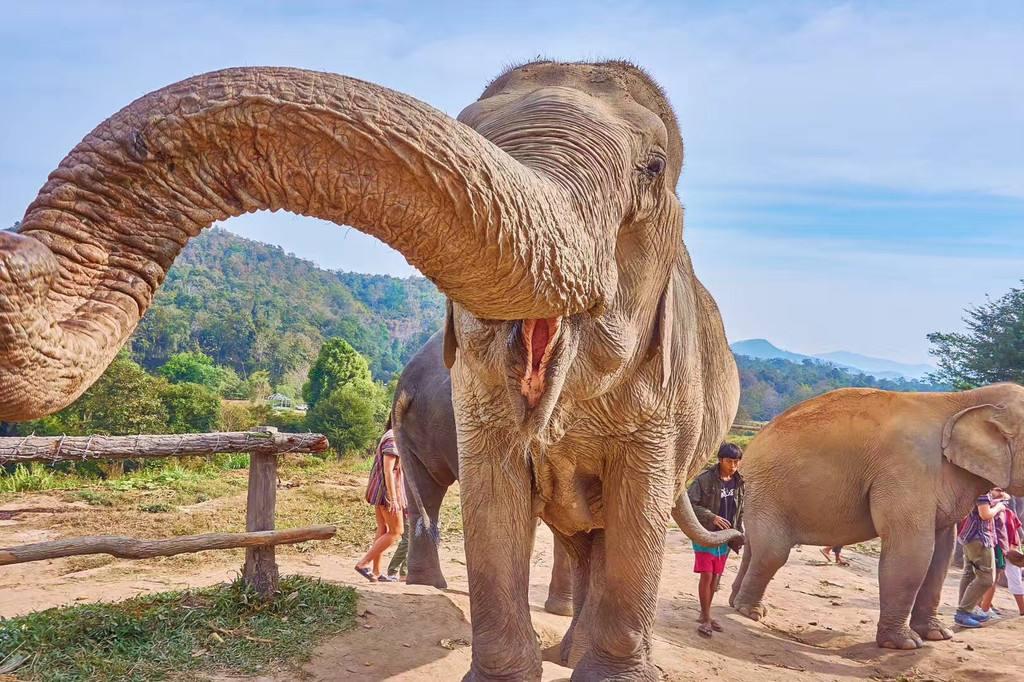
424	424
590	370
855	464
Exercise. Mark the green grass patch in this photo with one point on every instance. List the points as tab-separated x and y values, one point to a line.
178	634
233	460
28	478
95	498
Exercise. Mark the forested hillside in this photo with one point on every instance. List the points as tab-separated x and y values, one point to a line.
770	386
250	306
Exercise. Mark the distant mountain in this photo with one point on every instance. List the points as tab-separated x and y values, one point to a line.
763	349
877	366
881	368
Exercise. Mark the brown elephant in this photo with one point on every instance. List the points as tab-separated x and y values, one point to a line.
590	371
856	464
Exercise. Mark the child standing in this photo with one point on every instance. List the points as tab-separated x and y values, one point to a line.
717	499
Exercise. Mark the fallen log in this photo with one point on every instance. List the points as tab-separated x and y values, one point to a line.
132	548
79	448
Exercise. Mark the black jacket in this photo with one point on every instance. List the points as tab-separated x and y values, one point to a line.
705	495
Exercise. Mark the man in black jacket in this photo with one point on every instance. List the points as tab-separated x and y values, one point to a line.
717	499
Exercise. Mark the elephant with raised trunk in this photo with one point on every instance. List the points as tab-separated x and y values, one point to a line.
424	424
590	371
856	464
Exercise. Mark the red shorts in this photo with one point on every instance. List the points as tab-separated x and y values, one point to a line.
705	562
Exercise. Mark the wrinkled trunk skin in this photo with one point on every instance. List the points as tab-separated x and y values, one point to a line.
686	519
98	240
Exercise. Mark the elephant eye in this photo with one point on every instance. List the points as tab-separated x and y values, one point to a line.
655	166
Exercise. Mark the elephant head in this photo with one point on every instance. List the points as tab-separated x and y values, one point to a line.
987	438
612	125
522	210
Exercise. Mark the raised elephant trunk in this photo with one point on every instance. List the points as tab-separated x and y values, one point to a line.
503	239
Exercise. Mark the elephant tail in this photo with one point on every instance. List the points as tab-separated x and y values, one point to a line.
687	520
424	524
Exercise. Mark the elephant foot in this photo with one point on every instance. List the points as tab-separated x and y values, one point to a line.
559	606
932	630
902	638
589	670
476	674
753	612
432	580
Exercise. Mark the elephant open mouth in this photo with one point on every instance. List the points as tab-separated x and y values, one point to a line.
539	339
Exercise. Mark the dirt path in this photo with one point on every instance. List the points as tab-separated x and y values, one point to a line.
821	625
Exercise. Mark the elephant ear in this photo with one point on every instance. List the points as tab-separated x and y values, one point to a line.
661	339
973	439
450	345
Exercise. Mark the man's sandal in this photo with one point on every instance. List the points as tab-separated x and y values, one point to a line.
705	629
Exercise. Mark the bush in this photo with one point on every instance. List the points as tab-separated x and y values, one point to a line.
191	408
337	365
197	368
349	417
288	421
242	416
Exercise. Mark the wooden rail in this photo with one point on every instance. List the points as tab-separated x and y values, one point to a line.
263	444
132	548
81	448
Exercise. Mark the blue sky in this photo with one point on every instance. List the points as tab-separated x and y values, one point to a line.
854	173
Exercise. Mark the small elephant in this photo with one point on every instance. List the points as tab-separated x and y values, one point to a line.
424	424
856	464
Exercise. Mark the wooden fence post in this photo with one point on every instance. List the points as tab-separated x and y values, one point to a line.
260	571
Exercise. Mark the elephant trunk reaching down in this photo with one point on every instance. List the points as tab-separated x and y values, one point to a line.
686	519
98	240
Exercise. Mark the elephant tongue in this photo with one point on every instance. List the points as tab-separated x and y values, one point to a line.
538	337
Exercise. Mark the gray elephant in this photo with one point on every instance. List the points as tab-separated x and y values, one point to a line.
424	424
590	370
855	464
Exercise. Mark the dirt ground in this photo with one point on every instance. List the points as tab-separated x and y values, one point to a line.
821	625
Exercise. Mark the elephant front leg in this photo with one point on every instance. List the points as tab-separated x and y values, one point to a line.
906	555
499	526
559	599
924	619
637	494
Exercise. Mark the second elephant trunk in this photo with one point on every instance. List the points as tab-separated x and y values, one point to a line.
686	519
496	236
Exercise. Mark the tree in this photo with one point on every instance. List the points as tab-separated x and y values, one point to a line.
337	365
992	348
258	385
123	401
349	416
194	367
191	408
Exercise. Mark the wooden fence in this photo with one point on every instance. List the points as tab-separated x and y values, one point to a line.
264	446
